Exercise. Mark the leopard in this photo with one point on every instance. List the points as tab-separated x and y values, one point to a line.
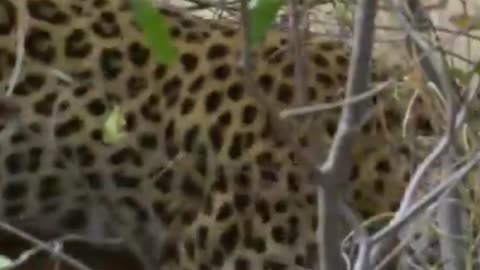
200	179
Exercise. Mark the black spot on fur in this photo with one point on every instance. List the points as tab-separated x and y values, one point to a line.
197	84
242	264
136	85
96	107
190	137
45	105
225	212
263	210
50	187
9	21
216	137
110	63
235	150
379	186
383	166
235	91
46	11
241	202
285	93
67	128
124	155
85	156
222	72
164	181
320	61
94	180
77	45
229	238
135	207
138	54
74	219
123	180
106	25
189	61
190	188
217	51
288	70
15	190
148	141
202	236
324	79
187	106
171	90
249	114
39	45
213	101
278	234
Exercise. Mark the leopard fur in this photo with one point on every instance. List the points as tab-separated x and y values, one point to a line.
200	177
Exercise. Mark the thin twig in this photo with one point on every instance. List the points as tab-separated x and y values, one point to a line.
20	53
281	129
427	200
76	264
317	108
360	234
298	52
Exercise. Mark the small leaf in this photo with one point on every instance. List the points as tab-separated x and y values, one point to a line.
463	21
113	129
462	76
465	77
262	16
5	262
155	30
476	68
344	13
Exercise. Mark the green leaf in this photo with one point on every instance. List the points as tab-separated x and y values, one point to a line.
460	75
466	22
113	128
5	262
476	68
155	30
465	77
262	16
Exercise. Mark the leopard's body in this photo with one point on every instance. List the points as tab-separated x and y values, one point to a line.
199	172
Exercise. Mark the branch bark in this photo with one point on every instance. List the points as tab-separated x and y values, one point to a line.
337	167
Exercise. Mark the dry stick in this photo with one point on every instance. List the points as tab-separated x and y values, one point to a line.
363	262
461	32
320	107
385	236
448	214
281	129
450	221
298	52
337	167
76	264
434	66
27	254
20	51
421	205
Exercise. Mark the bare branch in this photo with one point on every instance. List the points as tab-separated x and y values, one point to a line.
76	264
434	67
394	227
317	108
336	169
450	221
296	39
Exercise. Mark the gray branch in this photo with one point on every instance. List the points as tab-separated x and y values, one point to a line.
336	169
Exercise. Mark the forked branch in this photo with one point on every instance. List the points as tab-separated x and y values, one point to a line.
336	169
